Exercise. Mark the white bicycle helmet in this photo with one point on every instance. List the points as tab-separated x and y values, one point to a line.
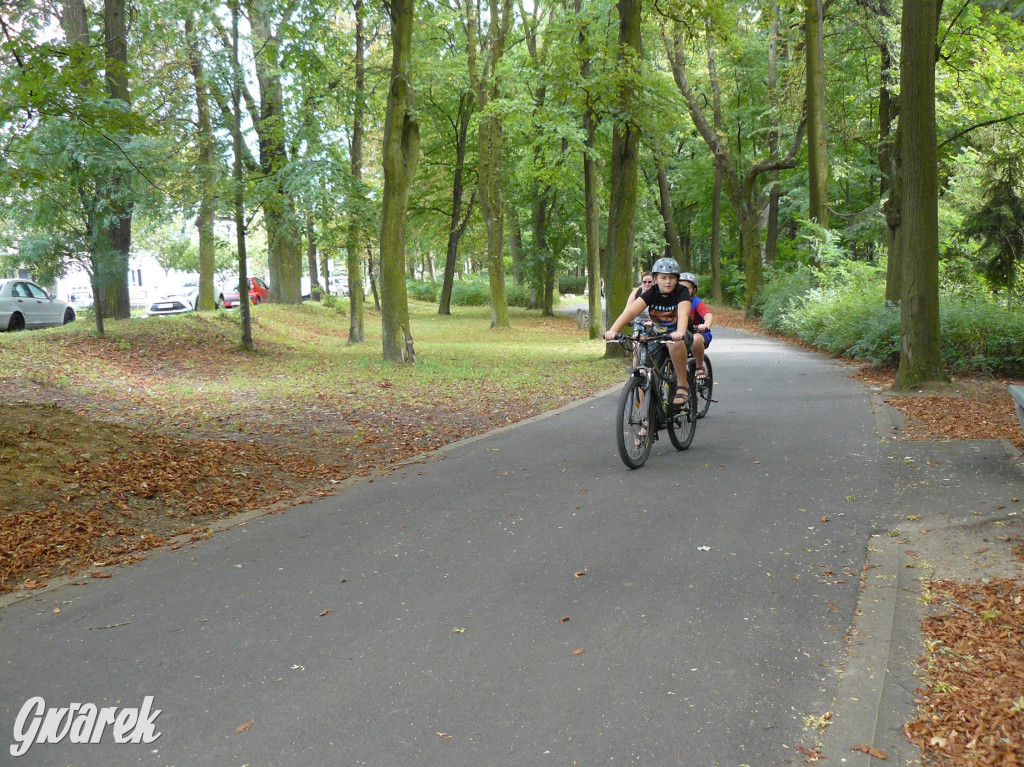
689	277
665	266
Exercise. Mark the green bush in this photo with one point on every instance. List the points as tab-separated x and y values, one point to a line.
330	301
569	283
781	291
842	309
473	290
423	291
519	295
734	284
982	335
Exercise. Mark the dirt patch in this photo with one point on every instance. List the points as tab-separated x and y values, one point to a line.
79	491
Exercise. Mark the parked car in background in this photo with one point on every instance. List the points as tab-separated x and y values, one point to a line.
338	285
25	305
190	290
230	296
169	303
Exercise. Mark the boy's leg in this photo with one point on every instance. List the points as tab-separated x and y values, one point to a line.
698	350
677	351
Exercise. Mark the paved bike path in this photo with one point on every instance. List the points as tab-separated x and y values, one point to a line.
435	616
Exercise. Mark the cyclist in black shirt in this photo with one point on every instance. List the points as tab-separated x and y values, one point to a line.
668	304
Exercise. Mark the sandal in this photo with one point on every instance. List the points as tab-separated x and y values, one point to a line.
641	436
682	397
701	374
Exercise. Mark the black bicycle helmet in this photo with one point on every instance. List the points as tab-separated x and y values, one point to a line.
665	266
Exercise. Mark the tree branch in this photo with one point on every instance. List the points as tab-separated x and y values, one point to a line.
961	133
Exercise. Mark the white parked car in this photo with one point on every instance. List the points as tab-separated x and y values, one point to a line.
169	303
173	299
25	305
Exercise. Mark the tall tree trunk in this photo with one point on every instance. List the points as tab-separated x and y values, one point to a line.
592	215
592	204
890	185
539	229
311	258
515	244
893	209
673	249
372	271
116	300
886	108
543	275
284	237
624	161
239	183
457	225
716	237
772	237
400	155
75	23
208	171
920	348
817	151
489	155
353	252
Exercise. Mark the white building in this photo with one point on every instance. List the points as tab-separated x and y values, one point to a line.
146	279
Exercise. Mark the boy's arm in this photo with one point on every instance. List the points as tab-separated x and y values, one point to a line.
706	317
631	311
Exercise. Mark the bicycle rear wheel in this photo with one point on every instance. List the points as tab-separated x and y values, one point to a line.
704	389
682	423
633	434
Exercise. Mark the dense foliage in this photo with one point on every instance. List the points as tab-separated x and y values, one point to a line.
720	91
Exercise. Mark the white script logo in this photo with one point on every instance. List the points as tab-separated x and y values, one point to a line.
82	723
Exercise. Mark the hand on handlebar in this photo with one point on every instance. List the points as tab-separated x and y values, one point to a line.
611	335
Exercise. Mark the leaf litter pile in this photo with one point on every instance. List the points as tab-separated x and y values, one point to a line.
972	703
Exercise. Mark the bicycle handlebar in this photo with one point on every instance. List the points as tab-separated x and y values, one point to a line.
658	337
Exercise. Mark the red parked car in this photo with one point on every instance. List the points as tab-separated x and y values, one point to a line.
258	293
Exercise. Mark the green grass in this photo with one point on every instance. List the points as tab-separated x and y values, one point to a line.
193	365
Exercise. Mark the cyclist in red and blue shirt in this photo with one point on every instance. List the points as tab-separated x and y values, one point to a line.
699	324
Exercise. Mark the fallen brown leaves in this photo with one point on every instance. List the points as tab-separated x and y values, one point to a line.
970	407
972	705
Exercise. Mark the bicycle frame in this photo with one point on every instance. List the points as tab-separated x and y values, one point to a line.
658	380
646	404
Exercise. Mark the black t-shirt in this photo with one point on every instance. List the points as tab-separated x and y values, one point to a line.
664	308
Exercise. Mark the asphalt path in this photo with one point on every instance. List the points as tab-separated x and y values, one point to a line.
518	599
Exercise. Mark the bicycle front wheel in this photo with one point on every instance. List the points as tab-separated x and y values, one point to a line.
704	389
682	424
632	433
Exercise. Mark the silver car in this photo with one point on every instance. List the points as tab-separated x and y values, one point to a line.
25	305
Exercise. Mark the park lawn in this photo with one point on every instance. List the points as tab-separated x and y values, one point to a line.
112	446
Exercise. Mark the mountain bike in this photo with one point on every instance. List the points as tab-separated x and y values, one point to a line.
645	405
